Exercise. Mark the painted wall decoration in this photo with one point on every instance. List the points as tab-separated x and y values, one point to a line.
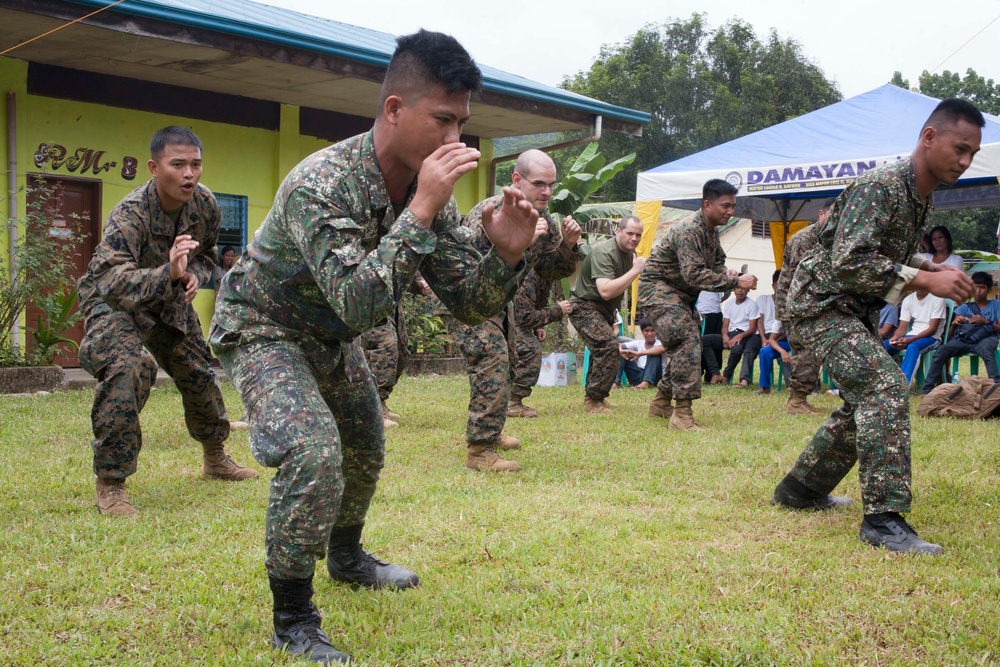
56	157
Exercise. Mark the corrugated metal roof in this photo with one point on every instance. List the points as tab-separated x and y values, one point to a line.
311	33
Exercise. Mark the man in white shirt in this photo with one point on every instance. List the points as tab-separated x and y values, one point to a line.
641	358
740	335
926	312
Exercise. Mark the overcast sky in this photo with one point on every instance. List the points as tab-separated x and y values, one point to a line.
857	44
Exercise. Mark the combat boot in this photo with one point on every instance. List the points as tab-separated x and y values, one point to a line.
346	561
682	418
508	442
483	457
660	407
297	623
793	494
217	464
238	425
890	530
388	423
596	407
797	405
112	499
389	414
515	408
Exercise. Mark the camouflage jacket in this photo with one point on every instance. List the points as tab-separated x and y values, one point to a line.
548	255
797	246
688	259
130	270
531	304
867	251
331	259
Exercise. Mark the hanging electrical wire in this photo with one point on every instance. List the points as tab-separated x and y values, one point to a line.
954	52
65	25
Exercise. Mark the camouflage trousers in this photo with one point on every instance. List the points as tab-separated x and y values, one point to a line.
871	429
386	353
805	366
678	328
113	352
322	431
595	324
487	361
525	369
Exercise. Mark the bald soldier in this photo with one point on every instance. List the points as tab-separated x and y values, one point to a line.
487	346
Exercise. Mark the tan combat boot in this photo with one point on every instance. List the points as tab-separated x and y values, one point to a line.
238	425
797	405
682	418
508	442
660	407
515	408
389	414
217	464
112	499
596	407
484	458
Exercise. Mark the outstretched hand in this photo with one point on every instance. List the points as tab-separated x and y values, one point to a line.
514	227
179	252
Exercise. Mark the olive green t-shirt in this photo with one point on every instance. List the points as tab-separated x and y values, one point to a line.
606	260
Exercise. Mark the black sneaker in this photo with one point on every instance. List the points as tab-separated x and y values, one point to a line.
304	637
793	494
354	565
891	531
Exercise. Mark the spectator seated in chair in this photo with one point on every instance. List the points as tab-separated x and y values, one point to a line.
922	313
740	335
974	329
641	359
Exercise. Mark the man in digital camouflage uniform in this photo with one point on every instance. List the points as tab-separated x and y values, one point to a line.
486	347
604	276
158	247
350	227
867	255
688	260
532	313
386	352
804	367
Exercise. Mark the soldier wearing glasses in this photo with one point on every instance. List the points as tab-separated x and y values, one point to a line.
486	347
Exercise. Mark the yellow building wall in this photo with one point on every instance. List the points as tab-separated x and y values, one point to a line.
237	160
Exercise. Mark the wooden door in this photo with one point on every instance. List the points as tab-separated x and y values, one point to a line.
76	215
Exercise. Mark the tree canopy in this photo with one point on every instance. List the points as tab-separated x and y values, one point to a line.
703	87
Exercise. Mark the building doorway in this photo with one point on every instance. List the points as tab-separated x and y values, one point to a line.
75	212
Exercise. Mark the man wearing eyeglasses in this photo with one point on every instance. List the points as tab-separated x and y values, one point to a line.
487	346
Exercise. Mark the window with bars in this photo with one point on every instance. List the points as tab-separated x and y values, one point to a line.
234	221
761	229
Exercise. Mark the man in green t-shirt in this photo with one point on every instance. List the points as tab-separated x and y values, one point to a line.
604	276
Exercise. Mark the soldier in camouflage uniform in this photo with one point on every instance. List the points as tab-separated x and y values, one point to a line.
350	227
157	248
486	347
604	276
387	354
803	366
688	259
532	314
867	255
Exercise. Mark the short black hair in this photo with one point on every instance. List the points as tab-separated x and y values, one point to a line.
427	58
944	232
644	324
982	278
952	110
172	135
775	275
716	188
828	203
225	249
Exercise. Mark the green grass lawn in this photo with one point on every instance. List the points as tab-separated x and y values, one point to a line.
620	543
